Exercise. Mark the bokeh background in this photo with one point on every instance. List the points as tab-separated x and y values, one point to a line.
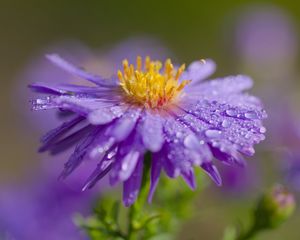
259	38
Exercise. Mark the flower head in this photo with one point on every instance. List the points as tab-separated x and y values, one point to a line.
163	109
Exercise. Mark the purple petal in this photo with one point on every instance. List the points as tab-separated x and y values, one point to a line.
170	168
60	62
79	154
189	178
222	86
121	129
192	143
199	70
59	131
82	106
132	185
124	167
228	156
44	103
224	124
182	144
67	89
152	133
58	145
102	169
213	172
46	88
105	115
156	167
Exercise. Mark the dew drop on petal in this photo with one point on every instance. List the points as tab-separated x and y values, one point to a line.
226	123
213	133
191	142
262	130
178	134
231	112
251	115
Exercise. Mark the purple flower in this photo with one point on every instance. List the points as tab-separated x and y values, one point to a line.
166	110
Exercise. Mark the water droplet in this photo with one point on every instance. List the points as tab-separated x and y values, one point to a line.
226	123
251	115
248	135
213	133
191	142
179	134
111	154
231	112
262	130
124	166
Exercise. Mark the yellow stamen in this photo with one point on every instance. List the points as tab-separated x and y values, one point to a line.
148	85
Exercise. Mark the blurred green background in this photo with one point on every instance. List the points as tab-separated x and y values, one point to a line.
191	29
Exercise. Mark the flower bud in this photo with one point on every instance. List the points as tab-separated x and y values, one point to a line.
274	208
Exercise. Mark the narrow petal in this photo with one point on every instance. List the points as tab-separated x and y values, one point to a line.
67	89
189	178
132	185
46	88
124	167
156	166
81	105
228	156
61	144
213	172
44	103
69	67
70	140
79	154
103	167
59	131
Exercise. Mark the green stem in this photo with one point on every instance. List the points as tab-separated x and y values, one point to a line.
138	206
131	230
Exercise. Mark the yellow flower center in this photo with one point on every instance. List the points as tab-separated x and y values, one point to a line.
149	85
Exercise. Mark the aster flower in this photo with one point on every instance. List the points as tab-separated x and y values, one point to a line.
152	107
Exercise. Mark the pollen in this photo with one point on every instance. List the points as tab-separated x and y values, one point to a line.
150	83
